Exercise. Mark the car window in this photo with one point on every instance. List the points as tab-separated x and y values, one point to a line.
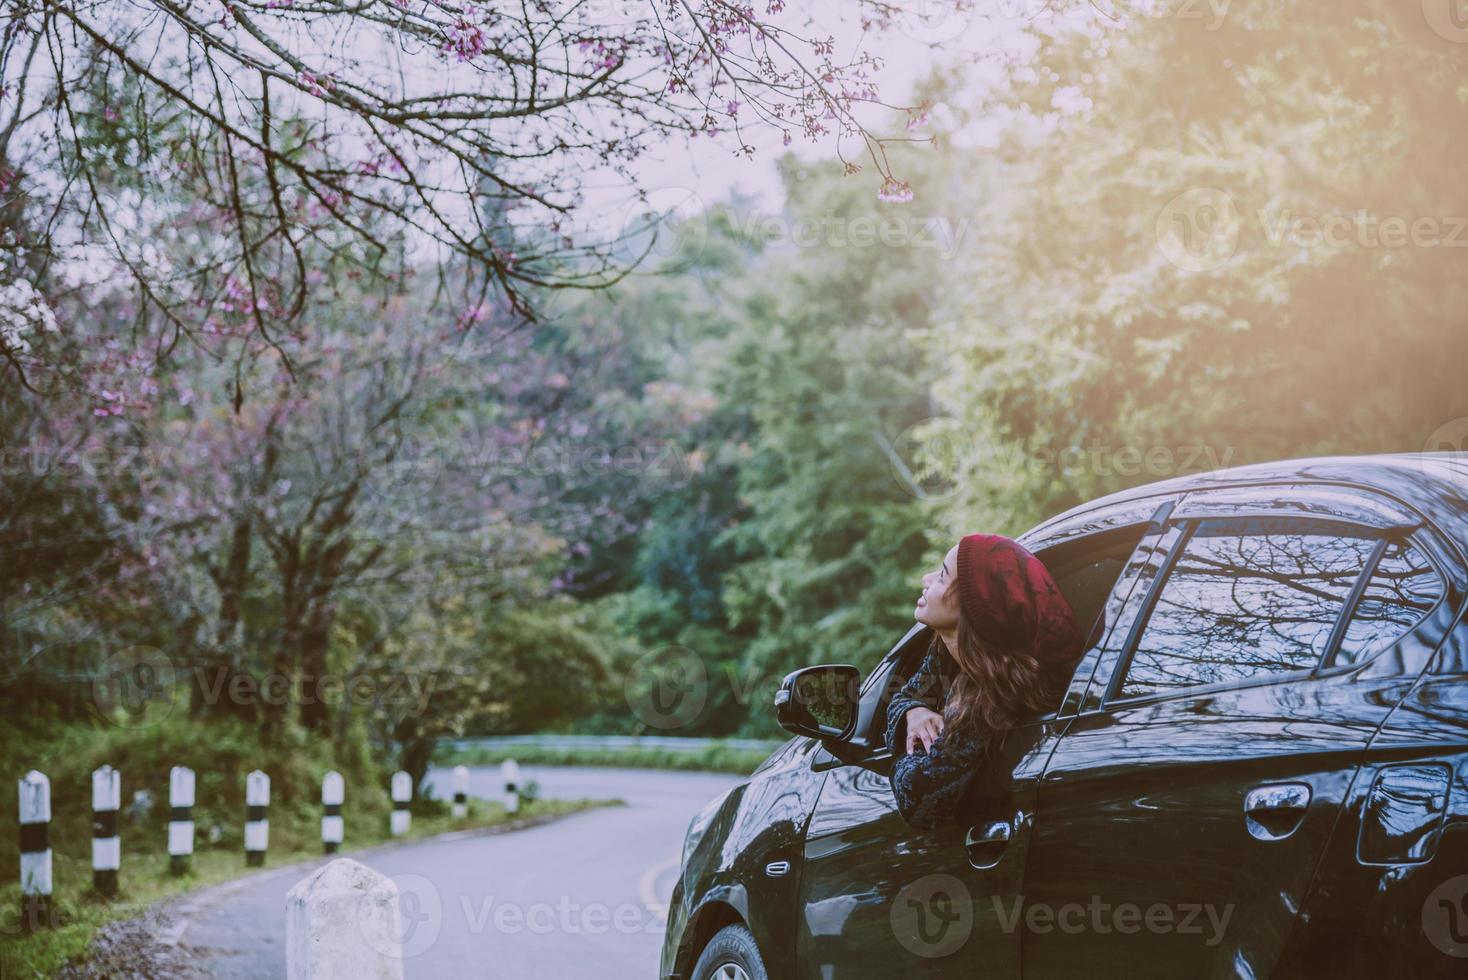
1402	589
1086	573
1244	598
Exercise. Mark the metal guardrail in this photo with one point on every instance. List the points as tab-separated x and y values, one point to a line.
602	743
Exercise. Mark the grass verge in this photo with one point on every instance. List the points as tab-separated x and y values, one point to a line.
741	762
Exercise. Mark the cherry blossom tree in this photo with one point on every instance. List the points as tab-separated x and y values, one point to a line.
221	154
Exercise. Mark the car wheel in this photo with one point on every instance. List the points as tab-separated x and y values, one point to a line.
730	955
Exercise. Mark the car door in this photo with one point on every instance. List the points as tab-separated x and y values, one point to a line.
1390	896
880	897
1180	816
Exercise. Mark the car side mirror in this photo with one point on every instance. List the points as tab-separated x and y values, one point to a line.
819	702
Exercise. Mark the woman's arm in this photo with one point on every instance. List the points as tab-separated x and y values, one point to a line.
928	785
923	689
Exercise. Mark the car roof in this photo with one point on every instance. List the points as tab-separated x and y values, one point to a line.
1435	484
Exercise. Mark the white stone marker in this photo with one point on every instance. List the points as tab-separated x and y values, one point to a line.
257	819
510	773
106	848
402	795
342	922
332	791
461	792
180	818
35	851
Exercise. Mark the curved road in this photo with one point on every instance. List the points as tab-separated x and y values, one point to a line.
583	896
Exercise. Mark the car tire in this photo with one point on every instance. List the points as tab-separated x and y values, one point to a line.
730	955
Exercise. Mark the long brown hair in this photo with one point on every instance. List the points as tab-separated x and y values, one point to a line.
996	688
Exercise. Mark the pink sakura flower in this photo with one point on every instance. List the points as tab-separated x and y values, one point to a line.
115	400
316	86
895	191
470	316
733	107
465	40
605	56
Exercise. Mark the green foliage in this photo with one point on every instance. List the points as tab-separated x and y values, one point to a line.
1201	256
752	449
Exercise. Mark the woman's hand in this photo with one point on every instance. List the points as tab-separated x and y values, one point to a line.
923	726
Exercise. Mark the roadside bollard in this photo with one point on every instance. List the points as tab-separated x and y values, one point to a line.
461	792
332	791
106	848
180	819
35	851
344	920
402	795
510	773
257	820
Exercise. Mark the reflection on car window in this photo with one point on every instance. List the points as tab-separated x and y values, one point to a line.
1245	599
1401	590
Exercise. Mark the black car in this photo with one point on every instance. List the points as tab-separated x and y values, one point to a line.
1260	767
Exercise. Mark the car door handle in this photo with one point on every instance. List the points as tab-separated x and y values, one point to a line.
985	843
1274	811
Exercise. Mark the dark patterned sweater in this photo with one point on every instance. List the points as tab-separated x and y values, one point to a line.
939	783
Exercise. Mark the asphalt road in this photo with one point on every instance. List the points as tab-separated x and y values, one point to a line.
584	896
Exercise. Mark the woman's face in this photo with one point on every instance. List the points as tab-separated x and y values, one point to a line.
938	605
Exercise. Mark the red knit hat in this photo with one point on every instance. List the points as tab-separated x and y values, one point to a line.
1008	596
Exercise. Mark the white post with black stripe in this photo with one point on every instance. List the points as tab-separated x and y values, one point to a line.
35	851
461	792
402	795
257	819
180	819
332	791
510	773
106	848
